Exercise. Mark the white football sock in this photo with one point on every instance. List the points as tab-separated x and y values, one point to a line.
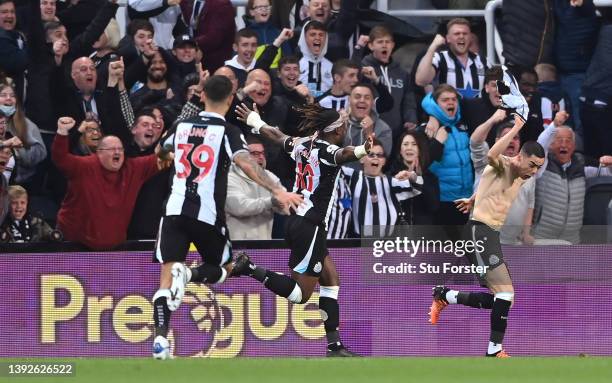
451	296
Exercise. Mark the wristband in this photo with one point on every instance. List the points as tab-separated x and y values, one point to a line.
360	151
254	121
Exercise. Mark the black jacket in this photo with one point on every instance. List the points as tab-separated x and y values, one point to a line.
42	66
527	32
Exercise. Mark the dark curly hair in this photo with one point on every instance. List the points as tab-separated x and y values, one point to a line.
316	118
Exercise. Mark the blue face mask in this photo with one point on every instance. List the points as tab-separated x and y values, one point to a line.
7	110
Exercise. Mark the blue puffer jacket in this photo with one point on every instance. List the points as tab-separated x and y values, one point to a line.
454	171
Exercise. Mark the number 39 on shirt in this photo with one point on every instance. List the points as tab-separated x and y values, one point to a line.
202	158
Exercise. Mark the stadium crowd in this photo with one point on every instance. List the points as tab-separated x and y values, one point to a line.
433	119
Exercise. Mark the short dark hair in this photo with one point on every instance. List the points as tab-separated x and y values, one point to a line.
342	65
189	80
252	140
218	88
532	148
285	60
528	70
365	85
314	24
244	33
51	25
138	24
144	111
500	127
377	142
288	60
495	73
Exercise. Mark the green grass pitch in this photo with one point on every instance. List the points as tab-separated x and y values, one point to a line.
310	370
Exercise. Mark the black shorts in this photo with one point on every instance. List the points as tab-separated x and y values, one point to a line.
177	232
484	235
308	244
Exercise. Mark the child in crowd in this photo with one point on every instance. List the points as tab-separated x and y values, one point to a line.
22	226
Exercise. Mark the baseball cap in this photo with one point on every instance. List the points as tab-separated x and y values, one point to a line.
182	40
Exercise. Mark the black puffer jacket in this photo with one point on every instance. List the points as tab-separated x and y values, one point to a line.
528	32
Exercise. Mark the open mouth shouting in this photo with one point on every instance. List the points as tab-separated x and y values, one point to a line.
385	55
450	110
116	160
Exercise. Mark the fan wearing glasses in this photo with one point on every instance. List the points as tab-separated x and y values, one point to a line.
258	20
376	196
102	189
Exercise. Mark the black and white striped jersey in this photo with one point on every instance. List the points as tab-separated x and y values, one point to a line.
316	175
467	80
317	76
376	201
341	215
204	147
328	100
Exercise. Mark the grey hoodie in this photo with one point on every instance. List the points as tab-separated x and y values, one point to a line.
27	159
354	136
398	83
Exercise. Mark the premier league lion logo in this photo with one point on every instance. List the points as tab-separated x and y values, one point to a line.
197	322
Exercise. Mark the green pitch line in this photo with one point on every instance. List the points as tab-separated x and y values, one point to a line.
367	370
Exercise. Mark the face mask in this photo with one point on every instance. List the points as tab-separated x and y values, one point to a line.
8	110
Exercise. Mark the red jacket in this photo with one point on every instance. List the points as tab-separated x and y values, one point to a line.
215	31
98	204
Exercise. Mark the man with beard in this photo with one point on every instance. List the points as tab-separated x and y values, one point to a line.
160	86
455	66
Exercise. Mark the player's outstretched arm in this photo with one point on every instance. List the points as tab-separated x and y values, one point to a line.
259	126
504	141
354	153
254	171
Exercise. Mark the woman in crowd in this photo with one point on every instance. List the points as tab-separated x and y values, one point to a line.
25	135
414	158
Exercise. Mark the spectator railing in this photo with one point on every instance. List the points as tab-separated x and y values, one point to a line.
494	43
